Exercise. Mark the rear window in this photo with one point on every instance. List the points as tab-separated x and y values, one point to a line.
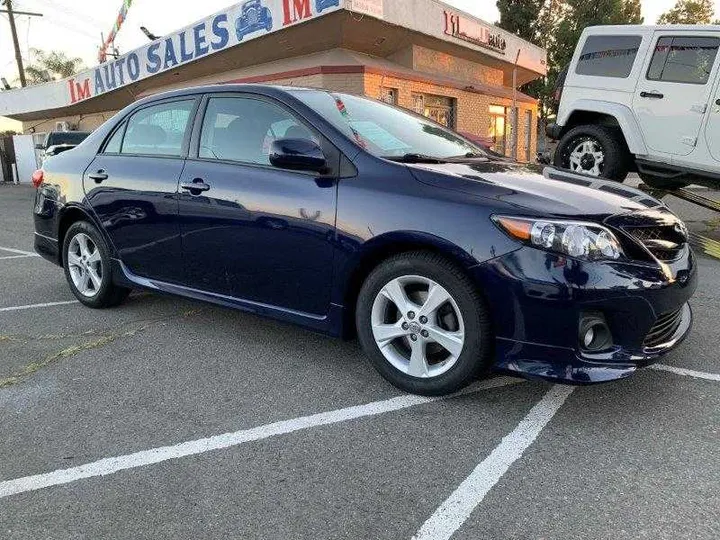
66	137
686	60
609	56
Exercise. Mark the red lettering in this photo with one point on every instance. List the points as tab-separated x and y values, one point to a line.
78	91
83	92
71	84
299	10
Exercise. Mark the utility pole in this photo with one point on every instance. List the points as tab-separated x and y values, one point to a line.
13	31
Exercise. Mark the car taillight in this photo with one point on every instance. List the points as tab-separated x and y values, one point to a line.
38	177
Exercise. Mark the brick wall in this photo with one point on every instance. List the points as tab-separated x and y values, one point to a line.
437	63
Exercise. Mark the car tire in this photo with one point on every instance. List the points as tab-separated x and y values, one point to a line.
86	259
420	364
606	141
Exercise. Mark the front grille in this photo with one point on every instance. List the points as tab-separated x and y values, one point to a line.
664	329
664	242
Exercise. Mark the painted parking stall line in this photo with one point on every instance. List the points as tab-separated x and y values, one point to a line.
18	252
456	509
112	465
18	257
38	306
687	372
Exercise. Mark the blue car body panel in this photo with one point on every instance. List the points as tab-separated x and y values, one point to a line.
296	246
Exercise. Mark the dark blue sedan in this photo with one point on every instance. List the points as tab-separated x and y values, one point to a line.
352	217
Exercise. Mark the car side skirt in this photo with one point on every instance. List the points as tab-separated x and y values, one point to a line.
327	324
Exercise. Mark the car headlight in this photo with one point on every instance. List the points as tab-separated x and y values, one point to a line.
577	239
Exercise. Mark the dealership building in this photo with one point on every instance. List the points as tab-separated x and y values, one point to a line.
419	54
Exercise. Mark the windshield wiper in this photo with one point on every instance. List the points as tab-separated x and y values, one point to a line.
469	155
415	158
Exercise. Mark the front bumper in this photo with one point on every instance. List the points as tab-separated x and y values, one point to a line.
537	300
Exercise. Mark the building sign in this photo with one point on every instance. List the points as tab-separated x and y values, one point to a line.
374	8
241	22
474	32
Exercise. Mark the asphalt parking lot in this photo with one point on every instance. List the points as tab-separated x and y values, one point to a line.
167	418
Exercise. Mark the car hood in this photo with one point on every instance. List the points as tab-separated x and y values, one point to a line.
552	193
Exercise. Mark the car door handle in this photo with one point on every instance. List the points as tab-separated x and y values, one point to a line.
196	187
717	101
652	95
99	176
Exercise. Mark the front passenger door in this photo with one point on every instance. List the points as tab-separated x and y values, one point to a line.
250	230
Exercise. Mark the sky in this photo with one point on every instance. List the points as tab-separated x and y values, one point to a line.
75	27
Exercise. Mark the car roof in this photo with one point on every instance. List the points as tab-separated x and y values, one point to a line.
265	89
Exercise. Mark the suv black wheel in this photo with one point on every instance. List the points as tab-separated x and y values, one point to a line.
86	260
595	151
423	324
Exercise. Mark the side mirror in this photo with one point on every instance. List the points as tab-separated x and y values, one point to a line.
297	155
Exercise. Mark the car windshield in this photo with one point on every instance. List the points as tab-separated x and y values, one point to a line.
387	131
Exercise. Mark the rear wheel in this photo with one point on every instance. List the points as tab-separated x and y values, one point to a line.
423	324
594	151
87	267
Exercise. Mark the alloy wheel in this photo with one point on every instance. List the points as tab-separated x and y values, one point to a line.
587	157
418	326
85	265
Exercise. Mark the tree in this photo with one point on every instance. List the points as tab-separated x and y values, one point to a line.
521	17
689	12
51	66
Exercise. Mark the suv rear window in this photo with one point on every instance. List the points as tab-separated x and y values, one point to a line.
608	56
686	60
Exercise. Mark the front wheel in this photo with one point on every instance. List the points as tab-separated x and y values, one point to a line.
86	260
423	324
591	150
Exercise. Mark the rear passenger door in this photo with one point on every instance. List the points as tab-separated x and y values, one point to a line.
250	230
674	90
132	185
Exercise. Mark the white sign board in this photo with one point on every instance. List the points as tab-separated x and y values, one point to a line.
374	8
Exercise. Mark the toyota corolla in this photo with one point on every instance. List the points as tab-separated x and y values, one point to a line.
351	217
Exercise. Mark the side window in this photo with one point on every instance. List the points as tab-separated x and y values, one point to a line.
608	56
686	60
113	145
158	130
242	129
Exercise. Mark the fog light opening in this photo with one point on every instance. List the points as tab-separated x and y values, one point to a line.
594	333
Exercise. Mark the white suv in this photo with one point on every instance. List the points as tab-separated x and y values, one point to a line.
643	98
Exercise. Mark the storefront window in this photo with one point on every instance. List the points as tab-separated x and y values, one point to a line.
498	128
439	108
389	95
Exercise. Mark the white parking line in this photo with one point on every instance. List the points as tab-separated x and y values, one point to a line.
688	372
17	251
36	306
19	257
457	508
112	465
